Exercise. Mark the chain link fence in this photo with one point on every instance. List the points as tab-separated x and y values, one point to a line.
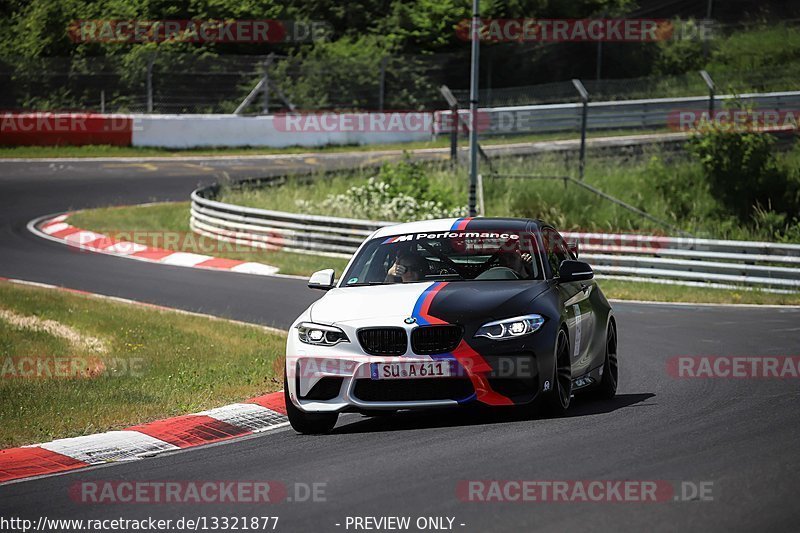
186	83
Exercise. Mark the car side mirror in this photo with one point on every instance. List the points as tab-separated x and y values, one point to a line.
571	270
322	279
573	247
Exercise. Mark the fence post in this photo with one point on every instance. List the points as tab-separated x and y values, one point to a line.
709	11
150	62
584	118
455	122
475	36
382	83
265	85
454	135
103	101
711	89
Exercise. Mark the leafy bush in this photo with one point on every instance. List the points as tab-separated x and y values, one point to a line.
743	172
678	56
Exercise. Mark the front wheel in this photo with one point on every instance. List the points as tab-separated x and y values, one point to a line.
608	383
557	401
307	423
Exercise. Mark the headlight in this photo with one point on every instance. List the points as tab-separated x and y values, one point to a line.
511	328
320	335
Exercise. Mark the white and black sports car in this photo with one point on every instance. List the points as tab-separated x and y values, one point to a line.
445	312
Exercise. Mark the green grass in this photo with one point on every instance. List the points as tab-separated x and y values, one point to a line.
29	152
658	292
185	364
157	224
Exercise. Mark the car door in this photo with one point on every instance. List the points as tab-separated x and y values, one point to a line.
578	308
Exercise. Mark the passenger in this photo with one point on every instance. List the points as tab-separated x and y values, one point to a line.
407	267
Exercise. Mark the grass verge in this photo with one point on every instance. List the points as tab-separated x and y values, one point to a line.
659	292
171	217
156	363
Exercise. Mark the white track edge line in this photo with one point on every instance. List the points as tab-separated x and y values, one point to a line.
157	307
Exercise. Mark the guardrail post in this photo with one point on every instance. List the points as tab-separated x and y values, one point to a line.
711	89
584	118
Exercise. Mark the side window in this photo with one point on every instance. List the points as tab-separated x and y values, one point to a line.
557	250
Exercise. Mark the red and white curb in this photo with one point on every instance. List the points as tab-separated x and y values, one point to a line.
256	415
59	230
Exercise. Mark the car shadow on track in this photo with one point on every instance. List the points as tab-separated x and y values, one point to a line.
478	415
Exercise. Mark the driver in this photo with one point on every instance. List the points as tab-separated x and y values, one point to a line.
517	261
407	267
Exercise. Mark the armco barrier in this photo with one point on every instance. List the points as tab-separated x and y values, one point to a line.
677	260
314	130
624	114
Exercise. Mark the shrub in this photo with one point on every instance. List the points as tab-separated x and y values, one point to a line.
400	192
742	172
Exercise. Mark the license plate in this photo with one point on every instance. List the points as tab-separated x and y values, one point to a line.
408	370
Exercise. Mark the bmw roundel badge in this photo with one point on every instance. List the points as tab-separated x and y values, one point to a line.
410	320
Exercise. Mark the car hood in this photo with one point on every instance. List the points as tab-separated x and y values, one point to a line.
454	302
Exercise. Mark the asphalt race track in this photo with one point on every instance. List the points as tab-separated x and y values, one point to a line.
743	435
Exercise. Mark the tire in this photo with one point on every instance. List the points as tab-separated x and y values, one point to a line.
608	383
556	402
307	423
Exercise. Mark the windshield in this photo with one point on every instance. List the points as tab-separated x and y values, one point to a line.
447	256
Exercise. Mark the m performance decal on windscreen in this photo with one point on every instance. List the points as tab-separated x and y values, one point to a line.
410	237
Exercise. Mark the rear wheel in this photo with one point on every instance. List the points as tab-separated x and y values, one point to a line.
307	423
608	383
556	402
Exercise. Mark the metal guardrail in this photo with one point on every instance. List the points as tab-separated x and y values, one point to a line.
623	114
678	260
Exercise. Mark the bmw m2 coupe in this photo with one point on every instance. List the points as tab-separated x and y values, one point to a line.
448	312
